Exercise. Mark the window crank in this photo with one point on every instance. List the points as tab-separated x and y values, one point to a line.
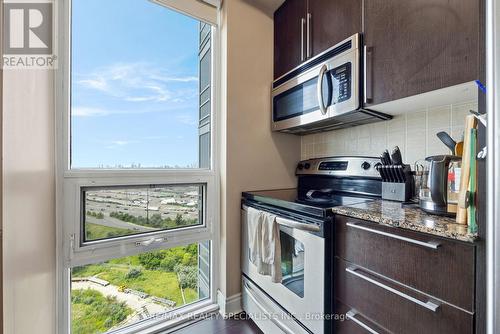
151	241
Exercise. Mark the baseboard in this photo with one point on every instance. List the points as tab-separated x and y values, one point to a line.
229	306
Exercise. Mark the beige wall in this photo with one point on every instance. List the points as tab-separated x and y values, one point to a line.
28	202
254	157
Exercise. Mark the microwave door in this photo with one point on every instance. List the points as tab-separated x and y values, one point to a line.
296	102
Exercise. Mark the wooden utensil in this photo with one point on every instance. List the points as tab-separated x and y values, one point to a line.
459	148
470	123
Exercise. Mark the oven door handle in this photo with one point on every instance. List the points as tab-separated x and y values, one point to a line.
278	323
321	74
297	225
293	224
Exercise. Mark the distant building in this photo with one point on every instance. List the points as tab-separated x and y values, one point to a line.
168	201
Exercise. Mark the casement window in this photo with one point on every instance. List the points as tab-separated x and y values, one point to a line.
137	186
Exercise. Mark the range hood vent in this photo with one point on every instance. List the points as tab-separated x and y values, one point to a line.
354	118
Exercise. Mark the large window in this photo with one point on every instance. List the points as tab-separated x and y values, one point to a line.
137	198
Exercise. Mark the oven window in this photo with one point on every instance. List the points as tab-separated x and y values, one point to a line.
292	263
297	101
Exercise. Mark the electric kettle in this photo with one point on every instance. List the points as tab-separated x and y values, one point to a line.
439	185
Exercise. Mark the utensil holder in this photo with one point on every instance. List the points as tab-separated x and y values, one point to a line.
398	183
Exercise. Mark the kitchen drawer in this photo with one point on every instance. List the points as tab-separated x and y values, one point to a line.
354	323
433	265
395	307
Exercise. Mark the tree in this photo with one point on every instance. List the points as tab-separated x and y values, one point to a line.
151	260
178	220
188	276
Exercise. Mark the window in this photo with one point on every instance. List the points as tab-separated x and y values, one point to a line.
137	195
119	292
113	212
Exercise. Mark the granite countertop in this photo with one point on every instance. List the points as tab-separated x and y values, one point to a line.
408	217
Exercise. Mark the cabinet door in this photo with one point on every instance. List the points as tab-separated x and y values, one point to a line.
289	36
332	21
415	46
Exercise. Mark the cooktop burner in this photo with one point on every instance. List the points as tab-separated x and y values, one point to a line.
325	183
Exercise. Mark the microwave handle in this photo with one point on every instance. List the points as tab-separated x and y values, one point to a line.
321	74
368	51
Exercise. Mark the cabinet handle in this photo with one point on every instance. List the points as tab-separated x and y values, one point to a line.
319	91
309	17
302	23
429	244
368	53
352	315
428	305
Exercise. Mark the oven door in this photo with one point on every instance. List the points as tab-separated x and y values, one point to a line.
329	89
301	292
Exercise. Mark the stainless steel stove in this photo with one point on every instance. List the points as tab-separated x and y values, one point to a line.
303	301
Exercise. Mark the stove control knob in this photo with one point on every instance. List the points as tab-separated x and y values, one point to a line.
300	166
365	165
307	165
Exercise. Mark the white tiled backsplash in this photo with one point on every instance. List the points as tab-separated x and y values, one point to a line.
414	133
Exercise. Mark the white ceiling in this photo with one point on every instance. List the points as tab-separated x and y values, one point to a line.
268	6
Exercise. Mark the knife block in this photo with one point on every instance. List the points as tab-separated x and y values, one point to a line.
400	187
401	192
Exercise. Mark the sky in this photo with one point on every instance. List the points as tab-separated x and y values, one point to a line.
134	85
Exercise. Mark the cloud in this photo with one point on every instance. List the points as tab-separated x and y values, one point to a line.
138	82
88	112
186	119
113	144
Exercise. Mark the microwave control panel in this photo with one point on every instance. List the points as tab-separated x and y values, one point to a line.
341	83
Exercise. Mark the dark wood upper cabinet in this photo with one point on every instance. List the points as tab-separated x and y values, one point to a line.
305	28
332	21
416	46
289	36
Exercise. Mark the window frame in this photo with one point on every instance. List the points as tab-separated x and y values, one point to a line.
69	182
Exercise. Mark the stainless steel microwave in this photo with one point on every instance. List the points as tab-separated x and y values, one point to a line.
323	93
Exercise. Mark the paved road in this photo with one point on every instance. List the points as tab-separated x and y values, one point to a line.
117	223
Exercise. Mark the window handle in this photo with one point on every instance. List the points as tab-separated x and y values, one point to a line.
151	241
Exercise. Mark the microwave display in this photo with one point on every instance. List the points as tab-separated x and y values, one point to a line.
341	83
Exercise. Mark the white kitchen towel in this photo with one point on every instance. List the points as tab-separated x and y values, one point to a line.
270	248
254	227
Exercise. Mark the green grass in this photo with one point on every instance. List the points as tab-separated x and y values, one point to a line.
153	282
91	312
191	295
95	231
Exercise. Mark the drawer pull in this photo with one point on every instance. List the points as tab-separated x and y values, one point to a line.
428	305
352	315
429	244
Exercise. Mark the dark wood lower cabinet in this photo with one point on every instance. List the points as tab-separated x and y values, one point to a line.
390	280
446	272
399	309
